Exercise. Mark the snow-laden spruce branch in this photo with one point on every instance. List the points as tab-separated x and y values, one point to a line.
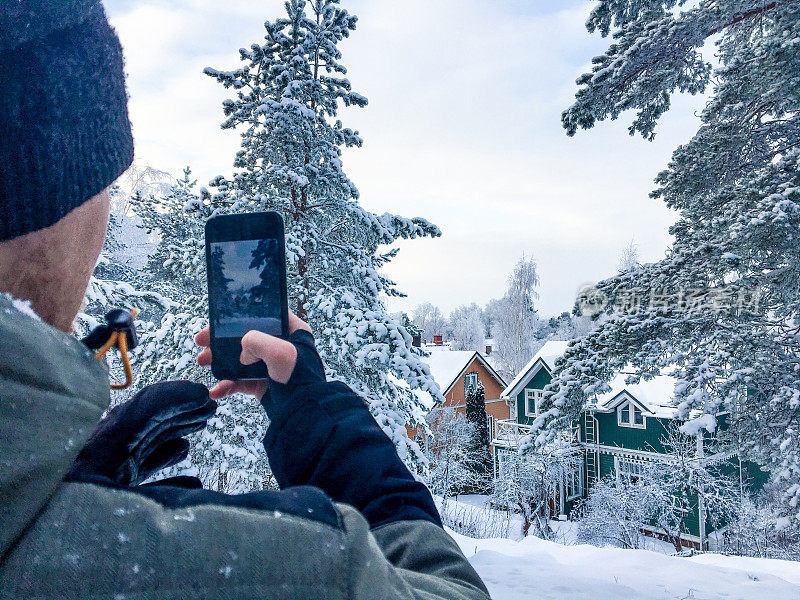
655	54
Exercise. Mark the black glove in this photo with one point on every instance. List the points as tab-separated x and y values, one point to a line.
145	434
344	451
307	370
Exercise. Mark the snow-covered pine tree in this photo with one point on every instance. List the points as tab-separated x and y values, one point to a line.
481	465
288	93
112	284
177	269
721	311
227	455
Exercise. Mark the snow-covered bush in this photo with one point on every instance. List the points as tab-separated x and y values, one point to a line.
754	531
616	513
688	481
476	522
661	497
529	483
451	455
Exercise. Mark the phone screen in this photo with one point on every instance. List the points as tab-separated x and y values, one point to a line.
245	281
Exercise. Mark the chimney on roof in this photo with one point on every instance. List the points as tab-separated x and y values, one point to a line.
488	349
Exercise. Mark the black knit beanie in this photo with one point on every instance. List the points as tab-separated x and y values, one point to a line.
64	129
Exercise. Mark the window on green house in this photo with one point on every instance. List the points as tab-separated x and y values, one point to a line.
629	470
630	415
573	486
533	401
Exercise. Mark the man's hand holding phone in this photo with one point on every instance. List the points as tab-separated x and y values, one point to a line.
278	354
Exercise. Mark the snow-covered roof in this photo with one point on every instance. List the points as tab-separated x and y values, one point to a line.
654	394
446	365
551	351
492	362
548	354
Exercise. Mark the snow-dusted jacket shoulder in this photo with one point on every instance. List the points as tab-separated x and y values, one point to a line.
52	394
91	540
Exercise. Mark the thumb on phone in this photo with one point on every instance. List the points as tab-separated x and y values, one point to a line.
279	355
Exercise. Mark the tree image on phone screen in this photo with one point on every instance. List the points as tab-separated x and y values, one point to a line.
245	278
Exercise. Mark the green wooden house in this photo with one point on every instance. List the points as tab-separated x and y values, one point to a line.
618	433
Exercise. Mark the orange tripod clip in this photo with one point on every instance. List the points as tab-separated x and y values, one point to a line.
119	331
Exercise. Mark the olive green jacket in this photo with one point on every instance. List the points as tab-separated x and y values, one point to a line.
81	540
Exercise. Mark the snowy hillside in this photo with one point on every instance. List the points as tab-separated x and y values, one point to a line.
540	570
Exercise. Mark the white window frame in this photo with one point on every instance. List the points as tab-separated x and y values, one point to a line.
631	406
573	484
629	467
472	375
536	396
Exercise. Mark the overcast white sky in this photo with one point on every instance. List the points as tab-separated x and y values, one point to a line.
462	128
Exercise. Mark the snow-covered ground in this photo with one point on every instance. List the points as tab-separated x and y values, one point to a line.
536	569
532	568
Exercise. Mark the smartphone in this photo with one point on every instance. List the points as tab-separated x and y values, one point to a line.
246	268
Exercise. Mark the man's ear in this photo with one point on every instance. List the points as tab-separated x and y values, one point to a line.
51	267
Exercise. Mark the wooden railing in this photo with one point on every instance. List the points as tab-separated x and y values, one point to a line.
509	433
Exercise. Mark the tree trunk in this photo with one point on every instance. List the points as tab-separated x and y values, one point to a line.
302	272
526	520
